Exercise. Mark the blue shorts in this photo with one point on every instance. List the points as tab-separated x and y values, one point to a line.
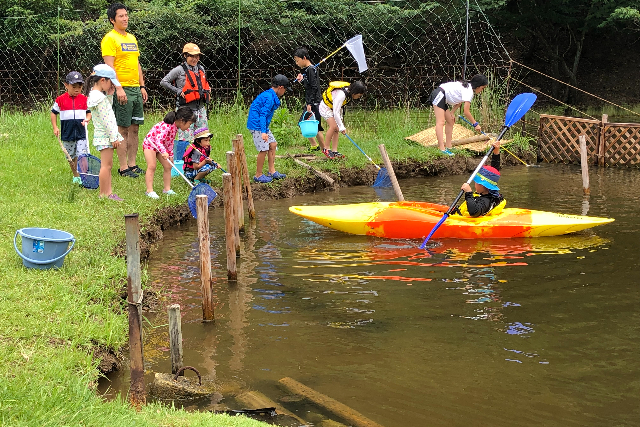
191	174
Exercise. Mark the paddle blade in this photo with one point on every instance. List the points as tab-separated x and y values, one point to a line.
200	189
383	179
433	230
354	45
518	108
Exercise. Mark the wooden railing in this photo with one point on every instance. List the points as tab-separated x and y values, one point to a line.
608	144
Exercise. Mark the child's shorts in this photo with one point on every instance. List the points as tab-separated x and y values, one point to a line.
75	148
103	147
262	145
325	111
191	173
438	98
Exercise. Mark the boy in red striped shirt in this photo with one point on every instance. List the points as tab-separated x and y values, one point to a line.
74	115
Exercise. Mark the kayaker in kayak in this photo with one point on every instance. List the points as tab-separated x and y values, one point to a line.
487	195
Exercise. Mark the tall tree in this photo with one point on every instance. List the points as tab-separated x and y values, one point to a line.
558	29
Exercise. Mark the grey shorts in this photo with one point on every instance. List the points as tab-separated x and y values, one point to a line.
262	145
75	148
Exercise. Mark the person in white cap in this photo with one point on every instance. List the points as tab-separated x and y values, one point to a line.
188	82
100	88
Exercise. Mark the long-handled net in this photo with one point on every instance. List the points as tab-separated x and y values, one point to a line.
382	179
201	189
89	169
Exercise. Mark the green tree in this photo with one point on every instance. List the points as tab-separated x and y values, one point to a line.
556	30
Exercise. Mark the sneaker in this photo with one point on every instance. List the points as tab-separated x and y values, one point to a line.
128	172
114	196
201	181
447	153
136	169
152	194
262	179
314	149
451	151
77	180
337	155
277	175
169	192
328	153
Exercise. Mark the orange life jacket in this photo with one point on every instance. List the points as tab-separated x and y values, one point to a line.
195	86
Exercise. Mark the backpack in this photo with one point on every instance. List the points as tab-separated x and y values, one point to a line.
328	98
195	87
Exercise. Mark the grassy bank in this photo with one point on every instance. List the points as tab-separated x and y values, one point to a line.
51	320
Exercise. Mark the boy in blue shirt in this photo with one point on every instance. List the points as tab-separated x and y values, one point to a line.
260	115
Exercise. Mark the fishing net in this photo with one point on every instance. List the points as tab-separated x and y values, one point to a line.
198	190
88	169
383	179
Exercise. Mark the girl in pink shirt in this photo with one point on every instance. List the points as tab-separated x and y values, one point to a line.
158	144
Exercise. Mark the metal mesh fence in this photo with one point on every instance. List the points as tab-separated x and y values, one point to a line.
411	46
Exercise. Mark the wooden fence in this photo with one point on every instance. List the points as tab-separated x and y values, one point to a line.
608	144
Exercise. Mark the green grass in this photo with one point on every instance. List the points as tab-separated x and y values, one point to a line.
51	319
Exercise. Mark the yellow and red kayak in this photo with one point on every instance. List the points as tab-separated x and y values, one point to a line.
414	220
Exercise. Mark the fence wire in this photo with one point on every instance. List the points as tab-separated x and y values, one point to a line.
411	46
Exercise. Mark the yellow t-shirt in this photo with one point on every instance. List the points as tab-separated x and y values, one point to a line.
125	50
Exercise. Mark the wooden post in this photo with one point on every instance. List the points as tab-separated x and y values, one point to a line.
175	337
238	179
326	178
245	173
232	272
137	393
235	185
354	417
392	174
601	142
202	209
584	164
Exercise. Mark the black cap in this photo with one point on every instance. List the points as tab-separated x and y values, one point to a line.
280	80
74	77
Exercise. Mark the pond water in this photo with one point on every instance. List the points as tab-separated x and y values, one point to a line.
492	332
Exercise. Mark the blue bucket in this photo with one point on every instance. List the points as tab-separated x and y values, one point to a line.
43	248
178	164
309	127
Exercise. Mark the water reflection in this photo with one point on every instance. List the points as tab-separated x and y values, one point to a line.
481	332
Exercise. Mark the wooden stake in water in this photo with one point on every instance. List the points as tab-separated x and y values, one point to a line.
231	168
137	393
175	337
391	172
238	178
229	221
601	141
202	209
584	163
245	175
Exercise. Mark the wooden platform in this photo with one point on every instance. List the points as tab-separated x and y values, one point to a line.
427	138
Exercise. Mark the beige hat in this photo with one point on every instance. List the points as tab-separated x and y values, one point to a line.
202	133
191	49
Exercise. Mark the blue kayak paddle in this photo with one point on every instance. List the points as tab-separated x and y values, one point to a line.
516	110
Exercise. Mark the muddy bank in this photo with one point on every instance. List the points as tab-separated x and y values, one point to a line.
151	230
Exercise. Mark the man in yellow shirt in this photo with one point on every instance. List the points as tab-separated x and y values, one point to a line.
120	52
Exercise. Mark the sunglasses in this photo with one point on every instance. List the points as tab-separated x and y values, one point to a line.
197	55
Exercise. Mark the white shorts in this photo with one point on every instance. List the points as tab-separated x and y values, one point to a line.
325	111
261	144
